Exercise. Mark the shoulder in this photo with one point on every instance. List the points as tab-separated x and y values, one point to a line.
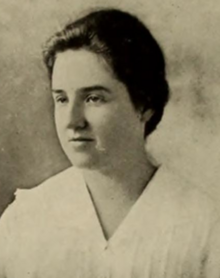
42	201
188	200
36	213
67	179
56	186
195	220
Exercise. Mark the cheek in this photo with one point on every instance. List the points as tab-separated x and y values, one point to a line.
59	117
123	128
108	125
59	124
103	119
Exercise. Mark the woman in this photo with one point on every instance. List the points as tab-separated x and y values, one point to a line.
114	213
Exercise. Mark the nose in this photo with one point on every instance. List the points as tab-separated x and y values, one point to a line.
75	118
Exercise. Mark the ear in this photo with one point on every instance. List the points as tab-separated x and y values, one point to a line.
146	115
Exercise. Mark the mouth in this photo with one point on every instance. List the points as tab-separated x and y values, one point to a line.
80	143
81	139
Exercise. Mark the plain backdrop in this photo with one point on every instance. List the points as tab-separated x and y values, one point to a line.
188	138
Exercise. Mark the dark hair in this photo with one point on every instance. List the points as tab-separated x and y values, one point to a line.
128	47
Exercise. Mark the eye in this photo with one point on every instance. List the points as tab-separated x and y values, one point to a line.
61	99
94	99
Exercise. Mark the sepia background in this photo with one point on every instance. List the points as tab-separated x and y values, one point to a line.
188	138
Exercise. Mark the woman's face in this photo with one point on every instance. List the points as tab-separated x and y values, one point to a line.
95	119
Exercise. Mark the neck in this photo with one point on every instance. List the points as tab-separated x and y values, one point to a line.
115	189
126	179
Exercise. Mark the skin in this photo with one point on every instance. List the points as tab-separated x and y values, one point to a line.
101	133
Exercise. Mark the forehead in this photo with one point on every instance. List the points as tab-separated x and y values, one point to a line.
80	68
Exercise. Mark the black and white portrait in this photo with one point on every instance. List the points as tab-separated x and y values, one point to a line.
109	142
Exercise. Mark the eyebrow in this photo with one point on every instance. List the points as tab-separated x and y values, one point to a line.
84	89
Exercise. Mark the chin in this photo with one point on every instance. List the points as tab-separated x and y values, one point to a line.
83	162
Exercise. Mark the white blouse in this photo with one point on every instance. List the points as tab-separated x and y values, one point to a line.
53	231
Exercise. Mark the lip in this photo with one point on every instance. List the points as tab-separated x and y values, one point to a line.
81	139
80	143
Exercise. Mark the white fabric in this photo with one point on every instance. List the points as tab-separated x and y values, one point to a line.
52	231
